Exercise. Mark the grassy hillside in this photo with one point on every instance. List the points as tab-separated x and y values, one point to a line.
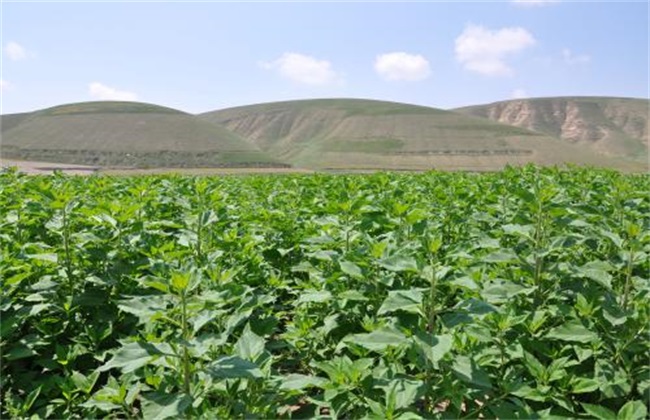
125	134
610	126
366	134
10	121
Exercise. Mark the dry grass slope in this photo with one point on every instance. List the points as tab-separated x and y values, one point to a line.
125	134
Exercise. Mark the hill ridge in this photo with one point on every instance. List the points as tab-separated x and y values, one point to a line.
125	134
333	133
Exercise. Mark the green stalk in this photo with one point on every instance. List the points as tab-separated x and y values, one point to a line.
199	231
538	242
185	335
432	295
628	278
66	248
431	315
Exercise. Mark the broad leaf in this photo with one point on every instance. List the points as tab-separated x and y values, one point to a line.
351	269
435	347
250	345
468	371
572	331
633	410
233	367
402	300
399	263
159	406
319	296
132	356
378	340
598	412
295	382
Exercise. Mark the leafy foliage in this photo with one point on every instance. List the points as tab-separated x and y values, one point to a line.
515	294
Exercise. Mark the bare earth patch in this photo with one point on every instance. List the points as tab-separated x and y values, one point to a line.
47	168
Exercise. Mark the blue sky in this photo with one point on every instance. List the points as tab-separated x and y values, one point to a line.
204	56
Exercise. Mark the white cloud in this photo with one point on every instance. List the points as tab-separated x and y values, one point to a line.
303	69
484	51
571	58
15	51
533	3
105	93
4	85
519	94
402	66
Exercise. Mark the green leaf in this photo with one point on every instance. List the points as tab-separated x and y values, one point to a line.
17	278
319	296
29	401
613	313
598	412
159	406
85	383
32	310
529	393
598	272
498	293
501	256
402	300
353	295
434	348
145	307
464	282
468	371
378	340
351	269
233	367
580	385
572	331
534	366
296	382
250	345
202	318
399	263
525	231
19	351
401	393
52	258
408	415
633	410
132	356
614	381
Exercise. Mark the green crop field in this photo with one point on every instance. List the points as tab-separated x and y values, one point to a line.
517	294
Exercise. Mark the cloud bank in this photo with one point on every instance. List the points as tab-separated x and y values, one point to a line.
303	69
401	66
485	51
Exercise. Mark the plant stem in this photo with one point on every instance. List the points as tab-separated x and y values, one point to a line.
185	335
66	248
628	278
538	242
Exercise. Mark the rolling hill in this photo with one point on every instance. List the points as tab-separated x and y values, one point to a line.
335	134
124	134
367	134
609	126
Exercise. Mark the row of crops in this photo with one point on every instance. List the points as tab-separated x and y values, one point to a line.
519	294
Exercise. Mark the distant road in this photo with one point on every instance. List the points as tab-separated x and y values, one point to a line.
48	168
